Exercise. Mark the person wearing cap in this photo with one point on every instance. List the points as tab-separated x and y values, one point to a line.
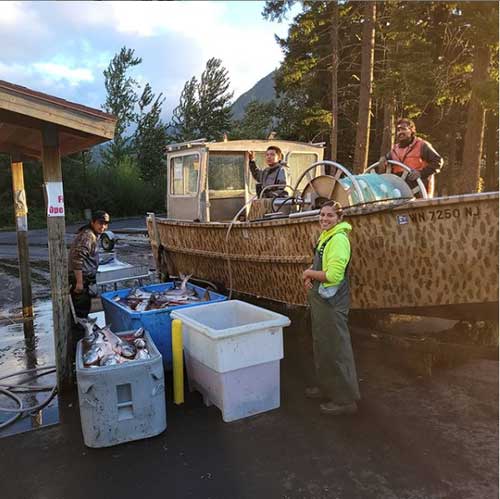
414	152
273	174
84	260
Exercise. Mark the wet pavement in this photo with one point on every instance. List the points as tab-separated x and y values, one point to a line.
414	437
29	346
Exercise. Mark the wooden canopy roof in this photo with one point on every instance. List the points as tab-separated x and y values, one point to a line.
24	113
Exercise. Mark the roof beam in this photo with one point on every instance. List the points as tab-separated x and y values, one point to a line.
49	112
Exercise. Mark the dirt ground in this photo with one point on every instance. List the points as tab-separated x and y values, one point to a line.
415	436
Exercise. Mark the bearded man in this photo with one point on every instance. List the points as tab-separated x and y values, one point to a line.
414	152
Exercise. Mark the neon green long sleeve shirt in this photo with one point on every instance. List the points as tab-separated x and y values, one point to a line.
336	254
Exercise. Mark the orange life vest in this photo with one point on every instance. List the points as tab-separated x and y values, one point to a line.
411	156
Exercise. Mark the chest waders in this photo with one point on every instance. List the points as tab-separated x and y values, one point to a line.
82	302
333	357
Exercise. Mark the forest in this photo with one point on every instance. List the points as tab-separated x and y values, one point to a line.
349	70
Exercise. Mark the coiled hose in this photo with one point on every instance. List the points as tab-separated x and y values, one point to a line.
10	390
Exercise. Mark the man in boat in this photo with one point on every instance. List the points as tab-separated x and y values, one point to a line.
273	174
414	152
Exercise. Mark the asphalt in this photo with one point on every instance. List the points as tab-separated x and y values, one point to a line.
415	436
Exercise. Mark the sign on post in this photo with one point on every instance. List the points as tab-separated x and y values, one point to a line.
55	199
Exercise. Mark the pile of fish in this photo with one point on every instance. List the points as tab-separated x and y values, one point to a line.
142	301
101	347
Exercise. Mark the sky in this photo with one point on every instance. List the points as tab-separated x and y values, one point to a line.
62	48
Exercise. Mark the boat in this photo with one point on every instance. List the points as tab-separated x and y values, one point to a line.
410	254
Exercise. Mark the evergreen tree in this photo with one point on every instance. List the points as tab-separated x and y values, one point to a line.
204	109
121	99
150	136
311	56
214	101
185	116
75	169
484	39
258	121
365	91
424	60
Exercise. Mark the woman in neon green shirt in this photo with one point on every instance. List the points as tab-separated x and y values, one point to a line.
327	284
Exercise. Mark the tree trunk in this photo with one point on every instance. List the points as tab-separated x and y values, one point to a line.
447	179
491	143
389	126
473	142
335	66
365	88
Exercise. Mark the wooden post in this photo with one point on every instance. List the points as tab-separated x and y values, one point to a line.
21	212
56	229
334	41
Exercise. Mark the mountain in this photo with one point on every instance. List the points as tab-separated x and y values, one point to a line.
263	91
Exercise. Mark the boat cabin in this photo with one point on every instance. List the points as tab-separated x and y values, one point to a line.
211	181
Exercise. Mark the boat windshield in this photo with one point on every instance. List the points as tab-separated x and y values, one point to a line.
225	171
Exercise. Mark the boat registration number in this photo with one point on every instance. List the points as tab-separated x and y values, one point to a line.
440	214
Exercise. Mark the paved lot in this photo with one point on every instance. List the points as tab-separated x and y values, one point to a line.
414	437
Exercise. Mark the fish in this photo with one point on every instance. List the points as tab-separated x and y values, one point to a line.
118	345
88	326
139	343
110	337
142	354
139	333
142	306
109	360
185	279
206	295
126	350
103	347
180	294
182	289
93	355
139	293
183	297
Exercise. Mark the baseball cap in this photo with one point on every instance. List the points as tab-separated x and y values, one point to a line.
101	216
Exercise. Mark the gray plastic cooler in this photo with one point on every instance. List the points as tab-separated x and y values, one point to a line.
123	402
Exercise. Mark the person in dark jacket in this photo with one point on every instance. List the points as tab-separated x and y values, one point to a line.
414	152
327	285
273	174
84	260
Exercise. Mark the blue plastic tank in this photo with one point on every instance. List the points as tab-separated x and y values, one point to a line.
157	322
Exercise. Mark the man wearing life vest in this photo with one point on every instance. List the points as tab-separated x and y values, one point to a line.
416	153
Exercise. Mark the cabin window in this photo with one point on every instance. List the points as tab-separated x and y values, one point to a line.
298	163
184	171
225	172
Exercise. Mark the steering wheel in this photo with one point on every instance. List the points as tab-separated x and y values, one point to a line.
268	187
337	171
419	191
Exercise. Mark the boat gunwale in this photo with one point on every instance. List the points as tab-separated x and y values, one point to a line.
388	205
